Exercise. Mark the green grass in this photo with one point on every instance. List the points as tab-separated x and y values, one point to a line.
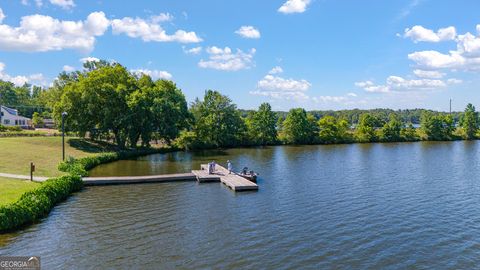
12	189
16	153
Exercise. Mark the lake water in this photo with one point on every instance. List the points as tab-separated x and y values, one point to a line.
360	206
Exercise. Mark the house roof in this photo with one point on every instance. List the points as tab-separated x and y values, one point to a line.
10	110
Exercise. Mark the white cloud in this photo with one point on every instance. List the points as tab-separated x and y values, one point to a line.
397	84
20	80
294	6
351	94
68	68
248	32
151	30
65	4
225	59
280	88
276	70
195	50
419	33
38	3
275	83
89	59
465	57
162	17
39	33
2	15
437	60
429	74
155	74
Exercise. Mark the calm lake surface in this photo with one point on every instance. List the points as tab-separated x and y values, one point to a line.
361	206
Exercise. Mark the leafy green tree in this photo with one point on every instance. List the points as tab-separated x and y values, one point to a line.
298	127
437	127
470	122
261	125
99	101
392	129
217	121
37	119
332	130
367	125
409	133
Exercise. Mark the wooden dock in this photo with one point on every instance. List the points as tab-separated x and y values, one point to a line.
233	181
117	180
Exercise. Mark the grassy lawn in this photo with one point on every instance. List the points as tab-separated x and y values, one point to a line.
12	189
16	153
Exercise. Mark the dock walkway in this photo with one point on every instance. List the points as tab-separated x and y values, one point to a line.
233	181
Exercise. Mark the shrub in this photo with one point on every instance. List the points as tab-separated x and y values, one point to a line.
37	203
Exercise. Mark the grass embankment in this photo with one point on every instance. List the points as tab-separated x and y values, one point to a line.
46	152
12	189
38	202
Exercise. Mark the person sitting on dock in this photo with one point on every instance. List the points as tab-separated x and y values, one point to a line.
229	166
213	166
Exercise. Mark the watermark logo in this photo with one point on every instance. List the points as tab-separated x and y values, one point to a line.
19	263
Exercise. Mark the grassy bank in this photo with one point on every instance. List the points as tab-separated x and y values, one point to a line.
46	152
12	189
37	203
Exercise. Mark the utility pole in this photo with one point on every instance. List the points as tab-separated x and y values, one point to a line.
450	106
64	114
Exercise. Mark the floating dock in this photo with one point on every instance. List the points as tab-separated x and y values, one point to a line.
117	180
233	181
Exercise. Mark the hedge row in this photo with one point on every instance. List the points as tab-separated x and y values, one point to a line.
37	203
81	166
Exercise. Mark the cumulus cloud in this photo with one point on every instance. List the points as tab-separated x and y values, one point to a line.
294	6
20	80
89	59
248	32
68	68
465	57
154	74
2	15
227	60
65	4
39	33
429	74
276	70
151	30
275	83
398	84
274	86
195	50
419	33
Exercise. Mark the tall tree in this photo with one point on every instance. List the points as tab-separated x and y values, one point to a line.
297	127
333	130
391	130
217	121
436	127
470	122
262	125
366	128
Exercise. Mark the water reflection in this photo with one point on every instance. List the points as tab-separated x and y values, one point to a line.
368	206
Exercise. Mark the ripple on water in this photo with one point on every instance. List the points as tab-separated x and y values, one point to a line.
384	206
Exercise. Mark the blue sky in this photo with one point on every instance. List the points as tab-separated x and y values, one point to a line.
316	54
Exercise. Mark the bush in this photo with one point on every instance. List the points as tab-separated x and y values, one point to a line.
37	203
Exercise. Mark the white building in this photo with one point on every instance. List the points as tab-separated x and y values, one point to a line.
10	117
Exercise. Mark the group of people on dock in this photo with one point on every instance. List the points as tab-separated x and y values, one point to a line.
213	164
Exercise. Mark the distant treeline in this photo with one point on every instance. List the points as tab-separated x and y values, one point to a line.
353	115
105	101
